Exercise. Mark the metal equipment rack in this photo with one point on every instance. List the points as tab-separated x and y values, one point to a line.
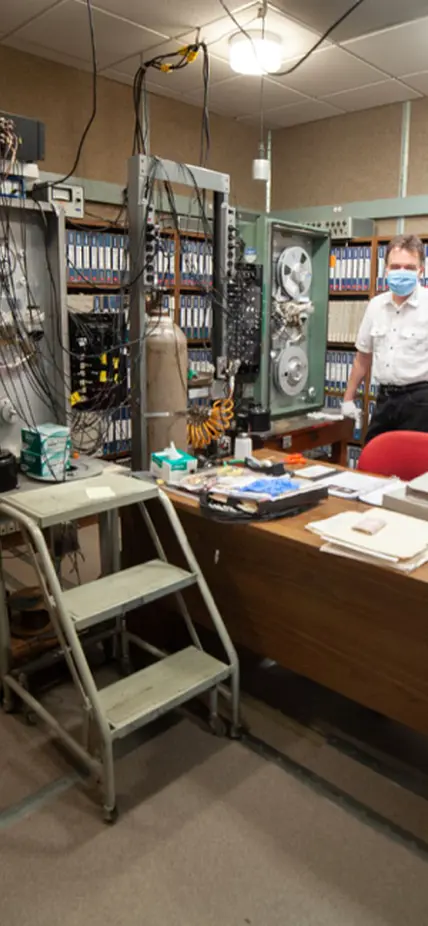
138	698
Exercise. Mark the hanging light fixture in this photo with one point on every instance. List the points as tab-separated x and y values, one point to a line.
261	164
255	52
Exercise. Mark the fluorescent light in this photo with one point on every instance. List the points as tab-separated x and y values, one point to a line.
254	53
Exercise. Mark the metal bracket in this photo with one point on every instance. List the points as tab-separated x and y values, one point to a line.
184	174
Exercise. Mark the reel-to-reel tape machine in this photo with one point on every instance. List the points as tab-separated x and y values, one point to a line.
275	328
295	316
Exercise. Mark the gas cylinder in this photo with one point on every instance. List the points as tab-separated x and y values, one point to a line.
166	351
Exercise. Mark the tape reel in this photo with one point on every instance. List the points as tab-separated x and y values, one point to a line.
294	272
291	370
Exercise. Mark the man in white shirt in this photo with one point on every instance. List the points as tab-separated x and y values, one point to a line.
394	336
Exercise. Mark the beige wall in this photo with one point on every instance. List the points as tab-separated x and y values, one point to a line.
416	225
418	161
351	157
61	97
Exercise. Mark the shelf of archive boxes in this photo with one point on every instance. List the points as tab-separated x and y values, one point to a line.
362	294
177	287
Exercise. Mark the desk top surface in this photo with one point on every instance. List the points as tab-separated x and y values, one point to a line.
293	528
304	423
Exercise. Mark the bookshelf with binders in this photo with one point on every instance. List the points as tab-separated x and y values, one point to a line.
194	289
351	286
98	268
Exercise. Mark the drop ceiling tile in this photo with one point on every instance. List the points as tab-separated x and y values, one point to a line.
128	64
328	71
187	80
296	39
242	96
170	18
417	81
369	17
218	31
305	111
399	50
49	53
14	15
318	14
389	91
65	29
379	14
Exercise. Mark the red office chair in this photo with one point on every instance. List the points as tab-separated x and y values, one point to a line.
397	453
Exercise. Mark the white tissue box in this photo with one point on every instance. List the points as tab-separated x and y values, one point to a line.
172	464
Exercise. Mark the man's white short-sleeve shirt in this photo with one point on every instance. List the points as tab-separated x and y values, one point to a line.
397	336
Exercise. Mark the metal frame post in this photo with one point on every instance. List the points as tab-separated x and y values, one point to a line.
137	221
404	158
143	173
219	274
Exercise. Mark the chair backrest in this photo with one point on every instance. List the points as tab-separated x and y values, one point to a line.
397	453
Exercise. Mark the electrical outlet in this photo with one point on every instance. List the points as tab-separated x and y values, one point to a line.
8	527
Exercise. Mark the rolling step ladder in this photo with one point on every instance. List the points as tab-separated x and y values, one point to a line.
136	699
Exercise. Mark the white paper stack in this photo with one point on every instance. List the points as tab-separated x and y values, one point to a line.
418	487
352	485
376	496
409	498
400	544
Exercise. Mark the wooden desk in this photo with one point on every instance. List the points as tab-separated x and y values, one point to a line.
296	435
358	629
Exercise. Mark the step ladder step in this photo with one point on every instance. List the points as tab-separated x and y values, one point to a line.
68	501
119	592
134	701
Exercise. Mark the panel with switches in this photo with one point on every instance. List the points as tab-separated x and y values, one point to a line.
244	320
150	246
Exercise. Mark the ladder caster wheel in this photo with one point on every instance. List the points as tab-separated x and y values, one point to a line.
110	814
236	733
9	704
218	726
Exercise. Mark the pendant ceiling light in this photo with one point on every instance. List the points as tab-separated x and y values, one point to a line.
255	52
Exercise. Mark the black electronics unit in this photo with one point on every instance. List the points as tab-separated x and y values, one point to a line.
220	504
8	471
31	134
244	320
98	360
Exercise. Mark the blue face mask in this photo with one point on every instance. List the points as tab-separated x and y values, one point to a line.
402	282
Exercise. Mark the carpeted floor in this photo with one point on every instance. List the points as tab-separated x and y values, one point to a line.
210	834
327	826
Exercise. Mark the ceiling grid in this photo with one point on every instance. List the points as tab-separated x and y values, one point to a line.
375	57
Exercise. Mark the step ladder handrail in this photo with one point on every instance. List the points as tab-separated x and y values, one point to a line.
202	584
66	623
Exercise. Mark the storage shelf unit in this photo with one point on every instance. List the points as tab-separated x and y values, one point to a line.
354	268
182	255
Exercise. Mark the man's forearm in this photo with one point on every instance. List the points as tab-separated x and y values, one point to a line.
359	370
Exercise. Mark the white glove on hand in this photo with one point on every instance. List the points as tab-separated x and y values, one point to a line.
350	410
